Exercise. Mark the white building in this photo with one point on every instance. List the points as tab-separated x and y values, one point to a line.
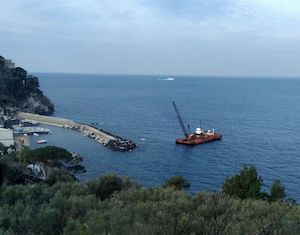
6	137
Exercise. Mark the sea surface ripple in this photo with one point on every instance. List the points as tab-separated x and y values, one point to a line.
259	119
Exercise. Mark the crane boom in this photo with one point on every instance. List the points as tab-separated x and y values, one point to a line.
180	120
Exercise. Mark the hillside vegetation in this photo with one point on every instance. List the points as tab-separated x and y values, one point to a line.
116	205
20	91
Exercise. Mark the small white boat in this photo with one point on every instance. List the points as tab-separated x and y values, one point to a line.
36	134
41	141
166	79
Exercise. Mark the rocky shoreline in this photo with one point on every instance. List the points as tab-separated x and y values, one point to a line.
109	140
121	145
115	143
20	91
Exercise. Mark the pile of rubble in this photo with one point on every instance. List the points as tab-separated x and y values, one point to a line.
122	145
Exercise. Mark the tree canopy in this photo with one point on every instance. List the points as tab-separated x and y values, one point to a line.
116	205
277	191
246	184
79	208
17	88
178	183
44	154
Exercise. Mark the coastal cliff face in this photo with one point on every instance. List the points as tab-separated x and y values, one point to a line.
20	91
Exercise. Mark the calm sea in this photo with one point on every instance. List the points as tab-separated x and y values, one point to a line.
259	119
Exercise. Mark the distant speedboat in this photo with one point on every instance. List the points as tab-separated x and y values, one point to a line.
166	79
41	141
36	134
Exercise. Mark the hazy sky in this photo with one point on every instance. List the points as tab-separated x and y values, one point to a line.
199	37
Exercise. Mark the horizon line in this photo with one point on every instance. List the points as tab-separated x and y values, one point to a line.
175	75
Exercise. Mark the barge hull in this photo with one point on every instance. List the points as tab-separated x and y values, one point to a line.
199	139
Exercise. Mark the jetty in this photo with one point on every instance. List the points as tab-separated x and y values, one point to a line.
107	139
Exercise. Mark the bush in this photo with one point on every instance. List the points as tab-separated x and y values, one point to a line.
3	149
58	175
106	185
277	191
178	183
246	184
74	208
44	154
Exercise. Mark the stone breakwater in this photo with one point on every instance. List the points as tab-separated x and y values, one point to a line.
109	140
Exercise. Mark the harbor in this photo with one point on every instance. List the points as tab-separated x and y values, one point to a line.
107	139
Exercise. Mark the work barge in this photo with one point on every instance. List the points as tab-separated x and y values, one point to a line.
109	140
200	136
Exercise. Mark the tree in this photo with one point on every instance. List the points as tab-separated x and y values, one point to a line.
58	175
3	149
23	154
106	186
178	183
11	170
215	213
44	154
74	208
16	87
1	175
246	184
277	191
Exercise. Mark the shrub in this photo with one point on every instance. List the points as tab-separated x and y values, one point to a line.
246	184
178	183
277	191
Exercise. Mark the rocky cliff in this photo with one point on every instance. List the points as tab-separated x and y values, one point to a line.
20	91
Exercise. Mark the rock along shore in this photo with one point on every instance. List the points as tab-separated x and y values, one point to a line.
107	139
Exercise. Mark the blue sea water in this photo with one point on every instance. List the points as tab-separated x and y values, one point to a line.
259	120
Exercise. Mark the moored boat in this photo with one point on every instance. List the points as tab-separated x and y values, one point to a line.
41	141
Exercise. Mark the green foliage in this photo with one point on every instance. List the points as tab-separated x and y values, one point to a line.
178	183
23	154
116	205
106	185
215	212
75	208
11	170
277	191
3	149
56	164
1	175
16	87
44	154
246	184
58	175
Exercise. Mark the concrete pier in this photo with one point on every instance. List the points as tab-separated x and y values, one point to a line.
109	140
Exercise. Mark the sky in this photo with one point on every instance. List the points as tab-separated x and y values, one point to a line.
170	37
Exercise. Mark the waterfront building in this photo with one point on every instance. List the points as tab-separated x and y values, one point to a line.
22	141
6	137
